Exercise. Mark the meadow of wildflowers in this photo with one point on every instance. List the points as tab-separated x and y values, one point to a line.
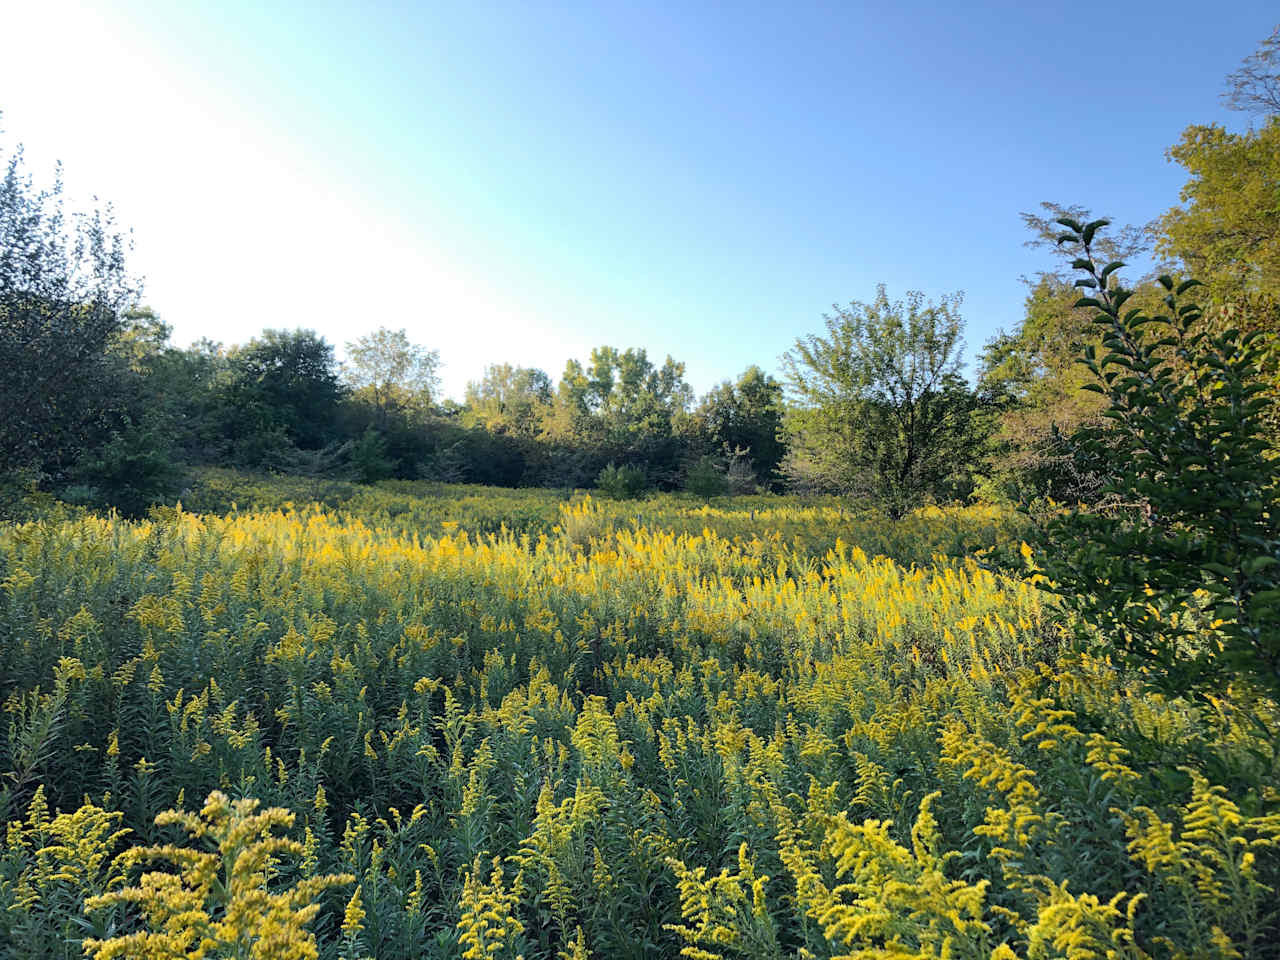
391	726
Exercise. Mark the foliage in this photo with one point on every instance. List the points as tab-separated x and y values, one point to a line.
880	406
1181	575
743	419
130	472
620	406
741	474
369	458
511	399
282	389
1030	378
706	479
1228	230
676	727
64	290
624	482
392	374
620	393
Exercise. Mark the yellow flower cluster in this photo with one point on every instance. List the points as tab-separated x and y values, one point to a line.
488	923
218	903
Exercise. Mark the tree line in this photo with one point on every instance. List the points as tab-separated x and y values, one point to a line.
99	407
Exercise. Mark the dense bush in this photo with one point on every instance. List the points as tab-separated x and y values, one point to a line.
705	479
622	483
1177	573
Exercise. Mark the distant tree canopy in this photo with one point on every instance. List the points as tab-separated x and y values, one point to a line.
744	418
880	407
99	404
619	396
391	374
283	382
511	399
1228	229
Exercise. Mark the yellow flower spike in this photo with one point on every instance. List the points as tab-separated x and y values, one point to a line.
353	916
220	899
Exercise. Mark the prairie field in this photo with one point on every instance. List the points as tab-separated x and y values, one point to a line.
441	517
413	721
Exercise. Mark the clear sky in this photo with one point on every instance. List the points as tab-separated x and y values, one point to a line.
521	181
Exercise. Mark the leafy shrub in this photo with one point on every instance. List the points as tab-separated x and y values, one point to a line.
705	479
622	483
369	458
130	472
1180	575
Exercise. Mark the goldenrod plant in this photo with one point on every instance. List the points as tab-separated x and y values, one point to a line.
693	731
219	903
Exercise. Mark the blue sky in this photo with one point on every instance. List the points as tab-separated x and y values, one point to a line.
519	182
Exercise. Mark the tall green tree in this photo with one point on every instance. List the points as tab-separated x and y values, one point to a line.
282	388
64	290
510	399
620	396
745	415
392	374
879	406
619	407
1227	230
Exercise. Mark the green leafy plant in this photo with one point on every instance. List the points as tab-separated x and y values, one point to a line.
705	479
622	483
880	408
1177	571
369	459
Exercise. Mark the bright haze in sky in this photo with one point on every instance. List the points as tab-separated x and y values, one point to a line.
522	182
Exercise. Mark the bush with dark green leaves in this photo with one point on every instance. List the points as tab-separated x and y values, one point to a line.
369	460
704	478
132	471
1176	572
622	483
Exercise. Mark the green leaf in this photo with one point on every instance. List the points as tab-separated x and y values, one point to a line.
1091	228
1258	564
